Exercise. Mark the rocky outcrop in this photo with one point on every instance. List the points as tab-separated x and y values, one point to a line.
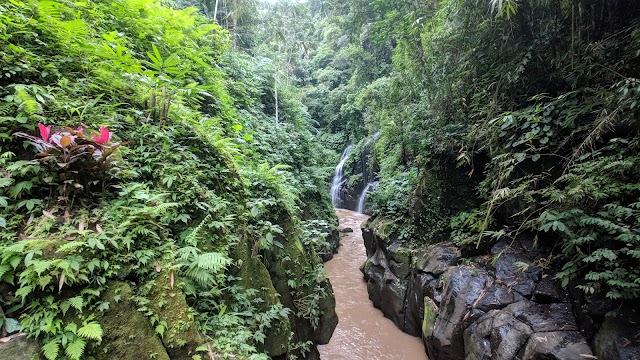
619	336
498	306
19	347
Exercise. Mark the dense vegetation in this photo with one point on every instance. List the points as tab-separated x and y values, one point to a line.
188	145
137	144
532	105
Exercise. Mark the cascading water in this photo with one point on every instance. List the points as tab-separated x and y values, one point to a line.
338	180
366	150
362	198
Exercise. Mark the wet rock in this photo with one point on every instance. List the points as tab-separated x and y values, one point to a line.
429	318
549	291
463	287
345	229
436	259
557	345
431	286
414	307
619	336
497	335
497	296
20	348
517	272
128	334
545	317
368	237
334	243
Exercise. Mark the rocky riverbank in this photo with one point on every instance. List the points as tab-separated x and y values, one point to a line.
501	305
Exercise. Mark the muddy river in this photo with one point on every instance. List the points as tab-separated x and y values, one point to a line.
363	333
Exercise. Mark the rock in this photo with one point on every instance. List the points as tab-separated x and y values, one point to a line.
436	259
463	286
368	237
497	296
557	345
619	336
345	229
545	317
128	334
497	335
509	271
20	348
549	291
168	302
254	275
429	316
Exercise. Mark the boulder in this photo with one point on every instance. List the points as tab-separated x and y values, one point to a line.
497	335
619	337
545	317
557	345
436	259
549	291
345	229
168	302
128	334
464	285
19	347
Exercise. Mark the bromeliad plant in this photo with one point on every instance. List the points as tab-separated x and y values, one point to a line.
80	160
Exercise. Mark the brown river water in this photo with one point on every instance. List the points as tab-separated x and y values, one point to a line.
363	333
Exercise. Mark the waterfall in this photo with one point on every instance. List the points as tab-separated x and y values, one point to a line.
337	181
363	198
366	150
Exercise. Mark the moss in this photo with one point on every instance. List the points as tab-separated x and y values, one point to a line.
49	247
127	332
430	313
255	276
20	348
181	336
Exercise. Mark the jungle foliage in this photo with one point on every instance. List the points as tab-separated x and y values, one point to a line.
188	167
536	102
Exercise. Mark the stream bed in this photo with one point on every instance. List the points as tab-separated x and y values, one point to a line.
363	333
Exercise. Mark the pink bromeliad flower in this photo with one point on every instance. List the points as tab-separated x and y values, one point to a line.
45	132
80	130
104	137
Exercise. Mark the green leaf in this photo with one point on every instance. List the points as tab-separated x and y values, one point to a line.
75	349
77	302
12	325
91	330
51	350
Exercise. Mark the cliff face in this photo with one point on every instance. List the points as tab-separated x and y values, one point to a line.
502	305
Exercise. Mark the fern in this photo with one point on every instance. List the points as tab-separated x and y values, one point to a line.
51	350
92	330
75	348
213	261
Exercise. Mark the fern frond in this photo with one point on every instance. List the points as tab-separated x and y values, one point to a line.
75	349
213	261
91	330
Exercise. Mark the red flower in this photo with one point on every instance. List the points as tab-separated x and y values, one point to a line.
105	136
45	132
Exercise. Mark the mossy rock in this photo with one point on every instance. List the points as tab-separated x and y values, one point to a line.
383	229
256	276
49	247
20	348
181	337
127	332
429	320
289	264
